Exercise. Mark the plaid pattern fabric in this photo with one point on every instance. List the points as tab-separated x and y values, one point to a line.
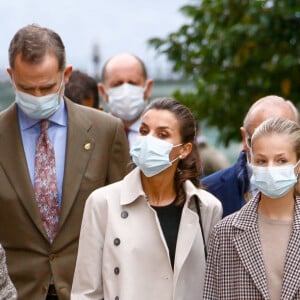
45	185
7	289
235	267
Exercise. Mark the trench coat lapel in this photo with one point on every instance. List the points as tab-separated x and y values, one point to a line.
189	225
291	279
13	162
248	246
79	148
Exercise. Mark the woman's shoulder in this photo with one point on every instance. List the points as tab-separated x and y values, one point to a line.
125	190
243	219
102	194
208	198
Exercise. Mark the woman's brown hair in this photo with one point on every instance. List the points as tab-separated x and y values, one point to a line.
188	168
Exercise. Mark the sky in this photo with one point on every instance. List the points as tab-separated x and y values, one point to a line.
114	25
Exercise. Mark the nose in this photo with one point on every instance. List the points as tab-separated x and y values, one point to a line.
37	92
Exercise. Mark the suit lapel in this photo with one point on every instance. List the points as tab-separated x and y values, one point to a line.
248	246
13	161
78	152
291	282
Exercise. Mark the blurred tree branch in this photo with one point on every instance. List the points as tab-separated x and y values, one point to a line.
235	51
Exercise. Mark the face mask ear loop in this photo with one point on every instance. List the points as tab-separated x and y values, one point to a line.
145	86
13	82
172	161
297	171
178	145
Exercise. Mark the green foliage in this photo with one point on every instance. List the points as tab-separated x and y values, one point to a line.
235	51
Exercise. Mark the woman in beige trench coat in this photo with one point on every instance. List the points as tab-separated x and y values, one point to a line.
142	238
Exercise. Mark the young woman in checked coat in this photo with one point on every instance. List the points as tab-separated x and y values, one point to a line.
255	253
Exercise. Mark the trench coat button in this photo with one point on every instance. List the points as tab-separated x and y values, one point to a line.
124	214
116	271
117	241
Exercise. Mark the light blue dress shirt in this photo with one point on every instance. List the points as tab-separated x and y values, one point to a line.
57	132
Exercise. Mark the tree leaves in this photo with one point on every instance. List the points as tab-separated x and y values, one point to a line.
235	51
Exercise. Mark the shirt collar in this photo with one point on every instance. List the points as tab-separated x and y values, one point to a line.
59	117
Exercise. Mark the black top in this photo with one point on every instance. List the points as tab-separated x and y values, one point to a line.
169	217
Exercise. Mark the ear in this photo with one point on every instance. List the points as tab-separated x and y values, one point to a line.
102	92
67	73
244	137
9	71
185	150
148	89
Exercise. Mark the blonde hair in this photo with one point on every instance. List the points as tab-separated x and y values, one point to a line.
279	126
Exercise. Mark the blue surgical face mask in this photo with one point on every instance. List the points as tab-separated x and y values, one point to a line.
152	155
274	182
38	107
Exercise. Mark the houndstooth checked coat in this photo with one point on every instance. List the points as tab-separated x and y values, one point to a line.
235	267
7	289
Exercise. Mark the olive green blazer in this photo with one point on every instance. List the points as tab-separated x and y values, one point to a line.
96	154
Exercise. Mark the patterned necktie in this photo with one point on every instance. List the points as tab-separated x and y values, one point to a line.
127	130
45	184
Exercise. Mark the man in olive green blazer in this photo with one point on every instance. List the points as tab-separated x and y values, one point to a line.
95	153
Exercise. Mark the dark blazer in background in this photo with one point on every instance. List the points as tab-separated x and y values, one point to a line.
229	185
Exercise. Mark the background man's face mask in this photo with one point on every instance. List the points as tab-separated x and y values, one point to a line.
126	101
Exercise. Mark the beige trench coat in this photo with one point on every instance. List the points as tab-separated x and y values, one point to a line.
122	251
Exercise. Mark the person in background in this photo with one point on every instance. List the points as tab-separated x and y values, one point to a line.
212	160
82	89
232	186
144	237
53	154
126	87
254	253
7	289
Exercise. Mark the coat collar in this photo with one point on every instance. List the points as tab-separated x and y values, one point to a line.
13	162
291	283
78	138
246	218
131	193
248	245
189	224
